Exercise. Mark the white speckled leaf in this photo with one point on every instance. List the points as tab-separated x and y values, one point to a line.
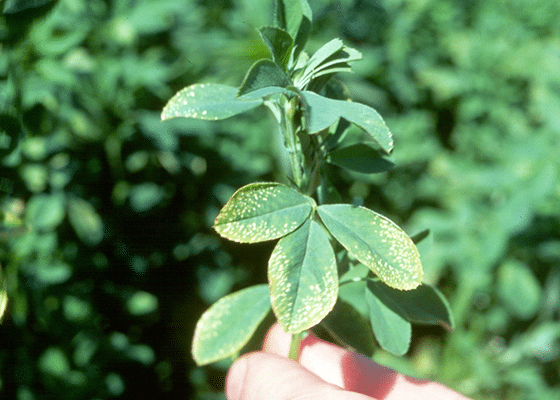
209	101
229	324
376	242
263	211
324	112
303	278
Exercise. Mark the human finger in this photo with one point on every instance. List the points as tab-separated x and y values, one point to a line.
266	376
355	372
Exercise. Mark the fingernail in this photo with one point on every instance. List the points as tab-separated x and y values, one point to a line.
235	380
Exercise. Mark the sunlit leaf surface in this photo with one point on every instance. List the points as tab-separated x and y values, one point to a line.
229	323
209	101
321	55
324	112
377	242
262	211
303	278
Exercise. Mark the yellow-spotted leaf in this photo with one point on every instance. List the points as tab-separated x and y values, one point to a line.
229	324
376	242
208	101
303	278
263	211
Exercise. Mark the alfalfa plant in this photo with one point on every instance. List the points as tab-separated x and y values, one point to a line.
375	262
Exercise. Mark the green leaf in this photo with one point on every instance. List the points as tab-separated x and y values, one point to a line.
303	278
146	196
353	293
85	220
338	62
348	322
324	112
354	273
263	211
294	16
337	133
360	157
229	324
15	6
392	332
10	133
327	193
3	294
330	59
376	242
423	305
263	74
264	92
51	272
44	212
208	101
420	236
321	55
76	309
54	362
518	289
142	303
280	44
350	328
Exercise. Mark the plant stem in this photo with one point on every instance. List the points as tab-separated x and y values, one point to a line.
285	112
295	346
288	128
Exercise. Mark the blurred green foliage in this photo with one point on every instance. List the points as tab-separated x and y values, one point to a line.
107	251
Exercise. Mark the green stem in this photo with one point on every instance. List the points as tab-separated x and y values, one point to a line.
295	345
287	126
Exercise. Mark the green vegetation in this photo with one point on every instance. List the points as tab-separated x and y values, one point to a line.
108	253
303	271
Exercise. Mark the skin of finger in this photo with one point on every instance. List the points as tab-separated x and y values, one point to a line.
355	372
266	376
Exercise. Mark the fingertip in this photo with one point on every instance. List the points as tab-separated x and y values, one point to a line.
265	376
352	371
235	379
277	341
